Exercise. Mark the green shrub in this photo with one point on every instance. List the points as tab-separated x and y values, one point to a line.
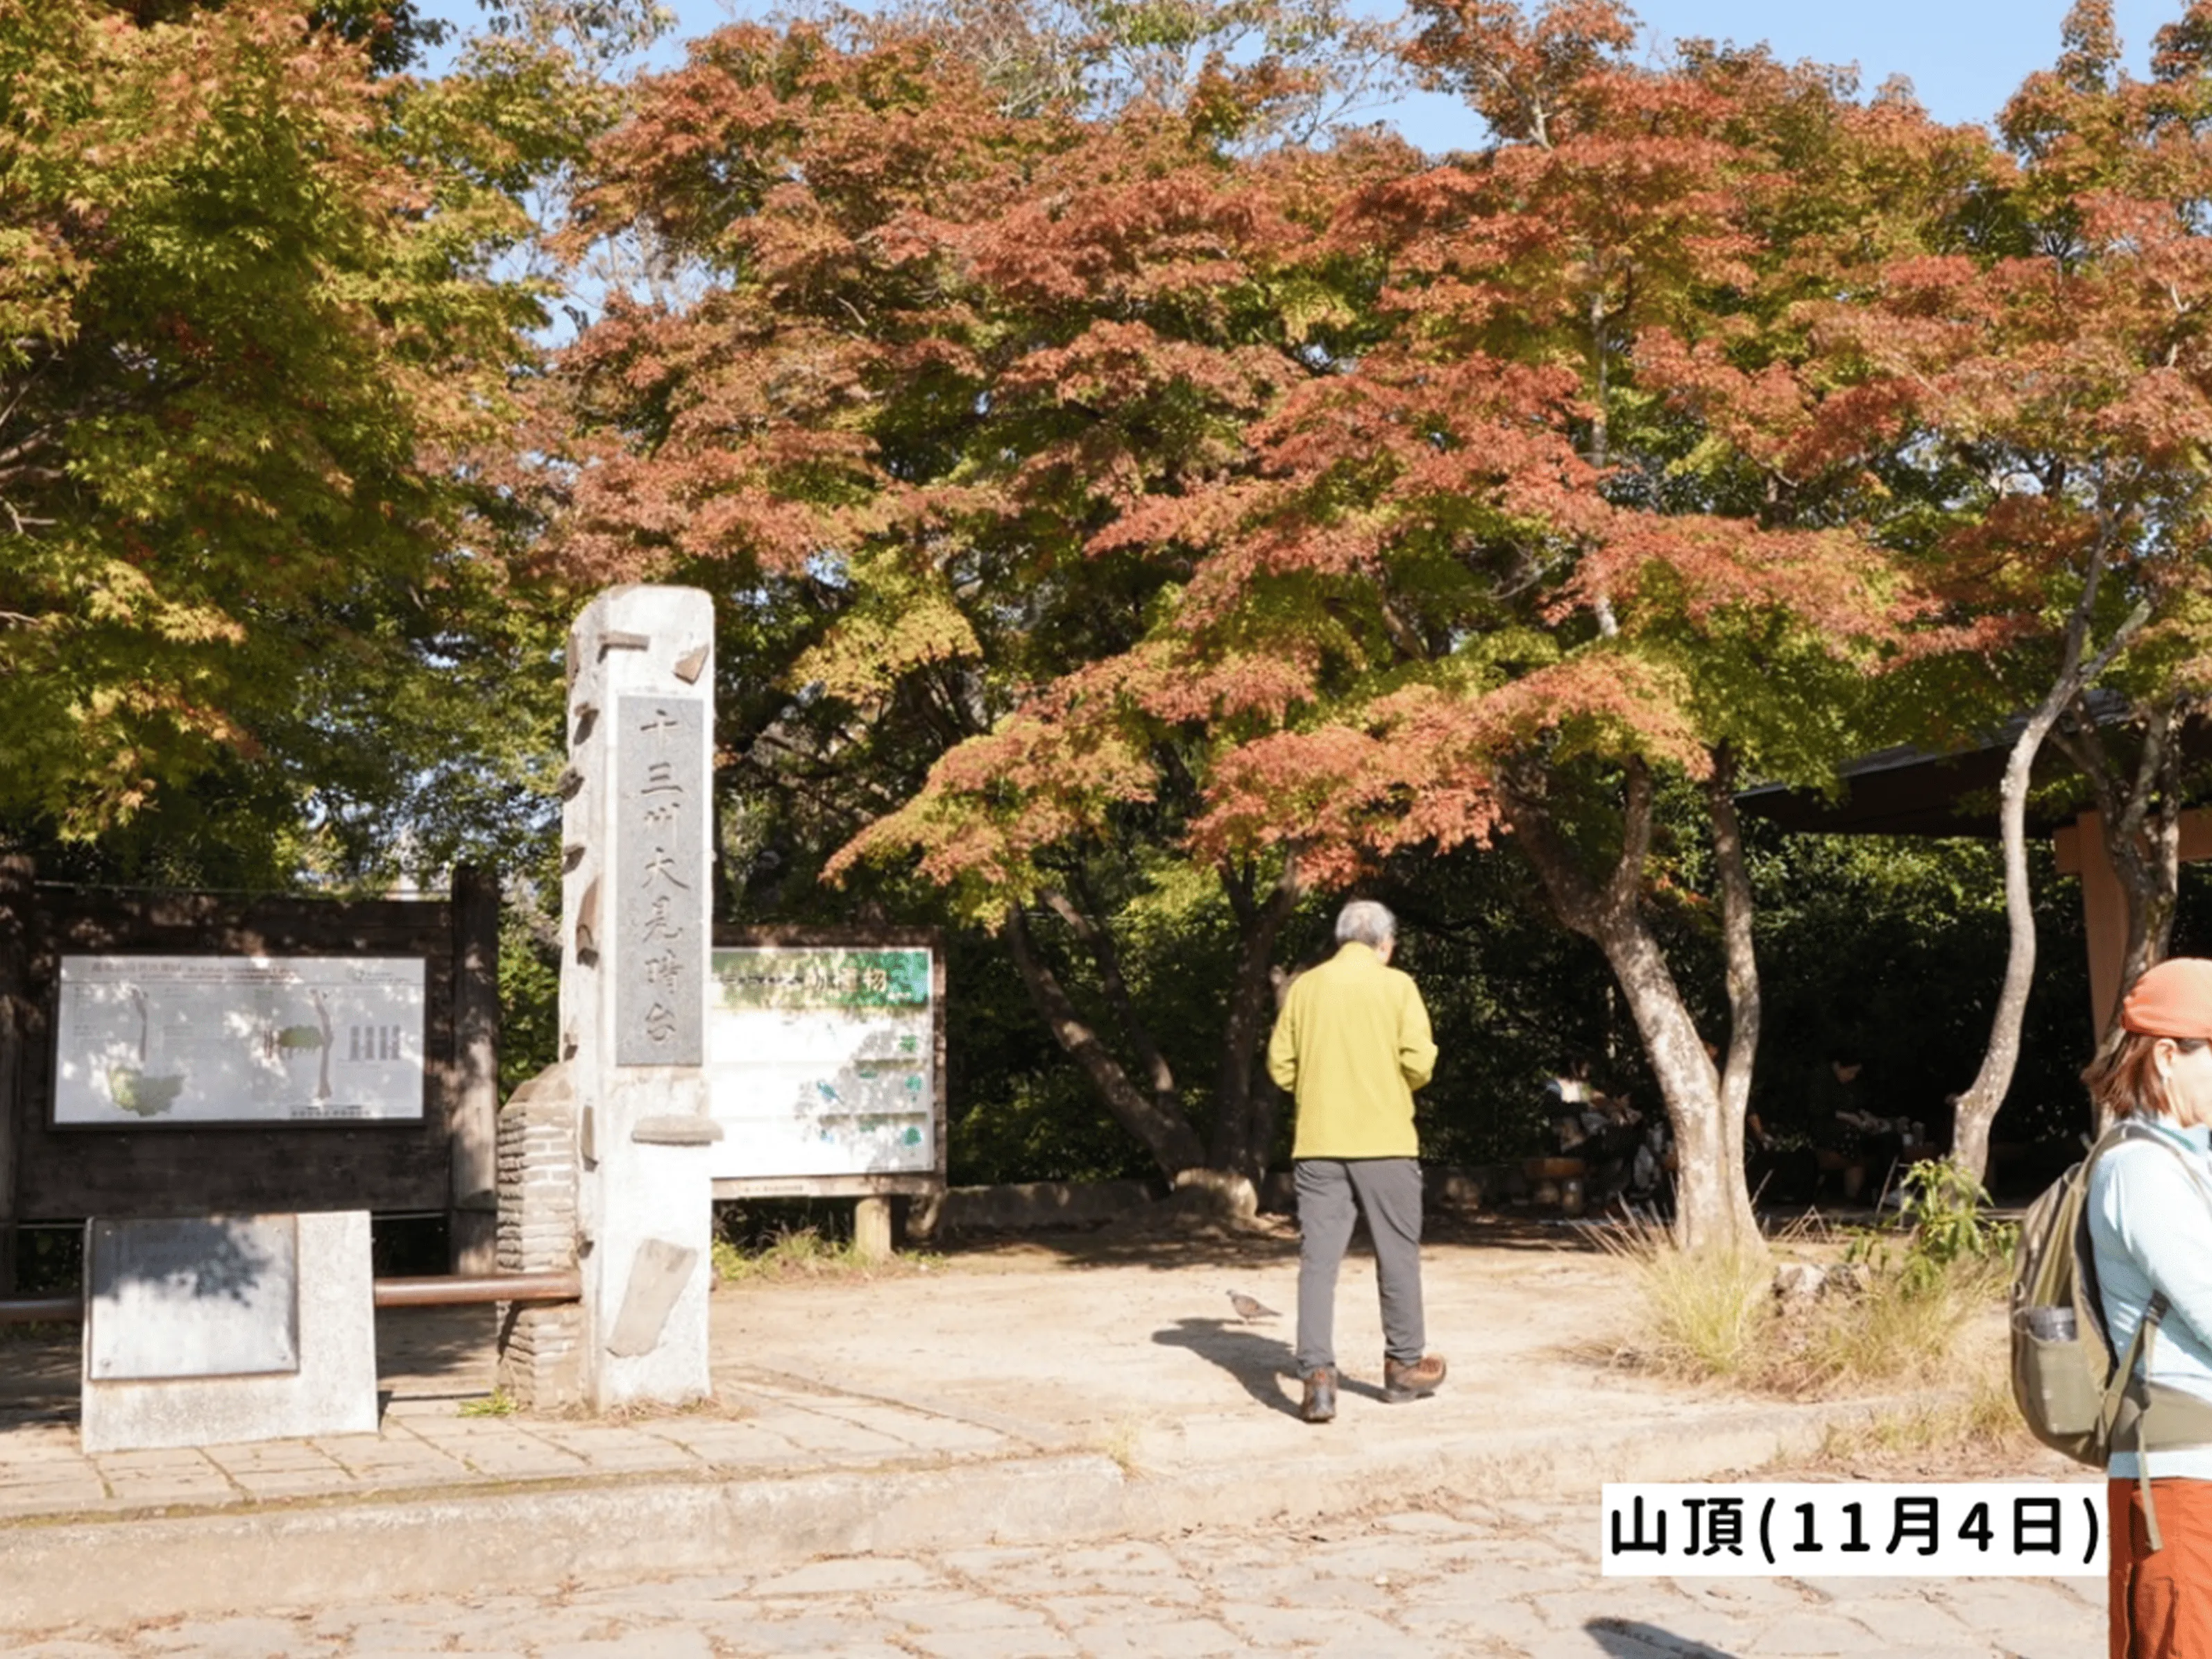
805	1253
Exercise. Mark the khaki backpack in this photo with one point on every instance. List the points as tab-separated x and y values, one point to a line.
2075	1396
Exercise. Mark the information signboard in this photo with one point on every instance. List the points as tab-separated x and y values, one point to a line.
153	1040
822	1066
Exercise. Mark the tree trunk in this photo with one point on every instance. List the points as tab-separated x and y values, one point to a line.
17	872
1978	1107
1166	1098
2152	881
1745	1009
1247	1104
1163	1130
1712	1207
2139	816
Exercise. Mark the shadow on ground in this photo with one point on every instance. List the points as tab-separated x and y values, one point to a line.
1162	1239
1260	1364
422	1353
1623	1640
436	1353
39	1370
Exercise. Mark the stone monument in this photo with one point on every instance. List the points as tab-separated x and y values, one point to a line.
206	1330
636	916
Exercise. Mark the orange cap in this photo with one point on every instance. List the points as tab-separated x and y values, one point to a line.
2173	999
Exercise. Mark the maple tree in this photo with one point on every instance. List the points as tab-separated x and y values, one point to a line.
932	338
1525	551
2106	306
1985	359
1106	492
2044	381
250	331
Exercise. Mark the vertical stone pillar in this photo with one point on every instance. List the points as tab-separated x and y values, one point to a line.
473	1091
541	1346
638	857
15	875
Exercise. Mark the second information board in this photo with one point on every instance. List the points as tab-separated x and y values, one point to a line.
821	1060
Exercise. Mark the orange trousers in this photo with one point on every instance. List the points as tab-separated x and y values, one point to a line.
2161	1605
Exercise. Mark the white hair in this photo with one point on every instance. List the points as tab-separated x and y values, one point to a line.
1366	922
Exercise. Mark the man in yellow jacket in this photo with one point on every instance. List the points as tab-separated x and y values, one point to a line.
1352	1044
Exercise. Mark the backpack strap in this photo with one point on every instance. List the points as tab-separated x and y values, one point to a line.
2119	1420
2114	1409
2086	1259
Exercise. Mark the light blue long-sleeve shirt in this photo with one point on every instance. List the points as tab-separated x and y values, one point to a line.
2150	1229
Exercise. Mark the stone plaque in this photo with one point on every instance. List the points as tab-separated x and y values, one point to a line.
213	1295
659	959
657	1277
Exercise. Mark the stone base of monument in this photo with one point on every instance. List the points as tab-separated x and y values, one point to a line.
647	1278
210	1330
541	1345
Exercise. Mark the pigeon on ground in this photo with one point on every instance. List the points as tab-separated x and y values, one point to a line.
1247	1308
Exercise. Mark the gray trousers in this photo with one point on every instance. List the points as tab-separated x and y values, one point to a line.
1387	1192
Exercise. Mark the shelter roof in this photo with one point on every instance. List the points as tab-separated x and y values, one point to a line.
1905	791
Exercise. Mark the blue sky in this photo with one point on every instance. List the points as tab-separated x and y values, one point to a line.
1963	56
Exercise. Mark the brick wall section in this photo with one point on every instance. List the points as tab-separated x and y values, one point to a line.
541	1345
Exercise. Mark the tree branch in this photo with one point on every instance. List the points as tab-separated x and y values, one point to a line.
1107	956
1170	1138
1625	887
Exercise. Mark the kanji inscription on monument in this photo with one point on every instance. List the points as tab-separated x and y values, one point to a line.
660	819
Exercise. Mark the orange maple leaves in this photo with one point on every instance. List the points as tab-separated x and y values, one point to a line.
1369	476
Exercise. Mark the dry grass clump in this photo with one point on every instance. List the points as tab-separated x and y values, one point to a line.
804	1253
1902	1329
1983	1429
1705	1315
1715	1316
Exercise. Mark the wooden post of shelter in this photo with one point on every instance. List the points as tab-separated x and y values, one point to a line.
473	1204
17	872
2080	850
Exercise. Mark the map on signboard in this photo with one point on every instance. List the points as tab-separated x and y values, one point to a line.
821	1060
158	1040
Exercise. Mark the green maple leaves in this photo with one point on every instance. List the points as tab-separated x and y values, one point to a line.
249	336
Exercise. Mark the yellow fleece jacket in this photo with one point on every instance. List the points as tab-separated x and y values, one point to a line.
1352	1044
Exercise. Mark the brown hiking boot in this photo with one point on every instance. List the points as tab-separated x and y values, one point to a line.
1402	1381
1320	1395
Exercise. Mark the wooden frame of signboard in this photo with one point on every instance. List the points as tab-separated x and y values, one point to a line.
905	1183
444	1160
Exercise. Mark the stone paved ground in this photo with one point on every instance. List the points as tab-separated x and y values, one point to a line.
1492	1581
762	1427
1002	1353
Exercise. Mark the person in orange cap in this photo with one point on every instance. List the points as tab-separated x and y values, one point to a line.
2150	1228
